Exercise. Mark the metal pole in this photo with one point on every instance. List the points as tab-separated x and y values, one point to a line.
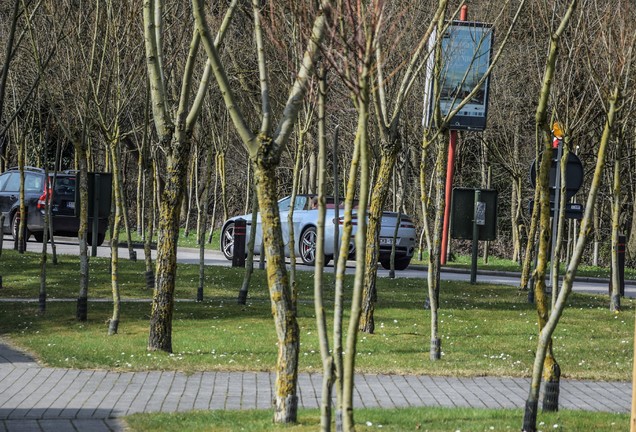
473	262
448	191
96	190
555	215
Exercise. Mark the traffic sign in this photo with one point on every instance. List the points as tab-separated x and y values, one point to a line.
573	175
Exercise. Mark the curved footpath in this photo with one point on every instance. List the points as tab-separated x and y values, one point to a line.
35	398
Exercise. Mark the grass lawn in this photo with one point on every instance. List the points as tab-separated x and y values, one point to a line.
486	329
407	419
501	264
189	240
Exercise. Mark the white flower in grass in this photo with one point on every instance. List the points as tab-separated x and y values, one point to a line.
369	424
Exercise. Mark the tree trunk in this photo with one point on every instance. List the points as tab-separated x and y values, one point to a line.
202	218
82	234
545	334
515	220
321	319
151	186
360	241
290	215
47	204
285	398
160	337
21	238
347	228
435	250
378	197
9	52
220	163
215	201
249	262
113	324
615	295
630	247
311	187
542	207
187	205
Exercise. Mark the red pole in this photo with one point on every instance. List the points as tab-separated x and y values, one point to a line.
450	165
463	13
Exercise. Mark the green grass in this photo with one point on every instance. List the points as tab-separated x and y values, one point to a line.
189	241
420	419
485	329
21	278
506	265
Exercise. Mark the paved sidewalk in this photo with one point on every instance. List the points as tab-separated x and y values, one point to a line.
34	398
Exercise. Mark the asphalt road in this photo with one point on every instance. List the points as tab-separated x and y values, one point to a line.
69	246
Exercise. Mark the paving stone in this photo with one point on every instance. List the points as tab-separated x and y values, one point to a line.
91	425
54	399
57	425
22	426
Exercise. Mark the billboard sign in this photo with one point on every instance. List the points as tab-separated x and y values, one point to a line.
466	56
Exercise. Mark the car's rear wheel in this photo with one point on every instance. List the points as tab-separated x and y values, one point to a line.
100	238
307	247
227	241
15	226
401	263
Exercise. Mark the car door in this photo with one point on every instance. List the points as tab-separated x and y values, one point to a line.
9	192
300	207
5	205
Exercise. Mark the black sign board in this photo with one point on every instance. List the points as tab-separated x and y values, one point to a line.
463	213
102	190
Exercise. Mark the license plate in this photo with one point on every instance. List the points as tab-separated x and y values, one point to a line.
70	204
386	241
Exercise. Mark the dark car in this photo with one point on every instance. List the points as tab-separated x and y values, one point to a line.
62	202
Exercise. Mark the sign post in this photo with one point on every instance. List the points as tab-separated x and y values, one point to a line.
466	55
573	181
479	219
450	167
474	217
558	144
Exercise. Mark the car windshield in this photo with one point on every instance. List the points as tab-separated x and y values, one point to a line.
301	203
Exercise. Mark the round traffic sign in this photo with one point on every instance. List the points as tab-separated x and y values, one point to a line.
573	175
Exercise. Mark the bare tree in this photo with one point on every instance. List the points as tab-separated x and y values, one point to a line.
614	82
174	134
265	149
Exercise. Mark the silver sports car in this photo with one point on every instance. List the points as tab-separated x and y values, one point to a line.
305	222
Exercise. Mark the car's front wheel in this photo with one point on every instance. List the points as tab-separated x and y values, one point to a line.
227	241
100	238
